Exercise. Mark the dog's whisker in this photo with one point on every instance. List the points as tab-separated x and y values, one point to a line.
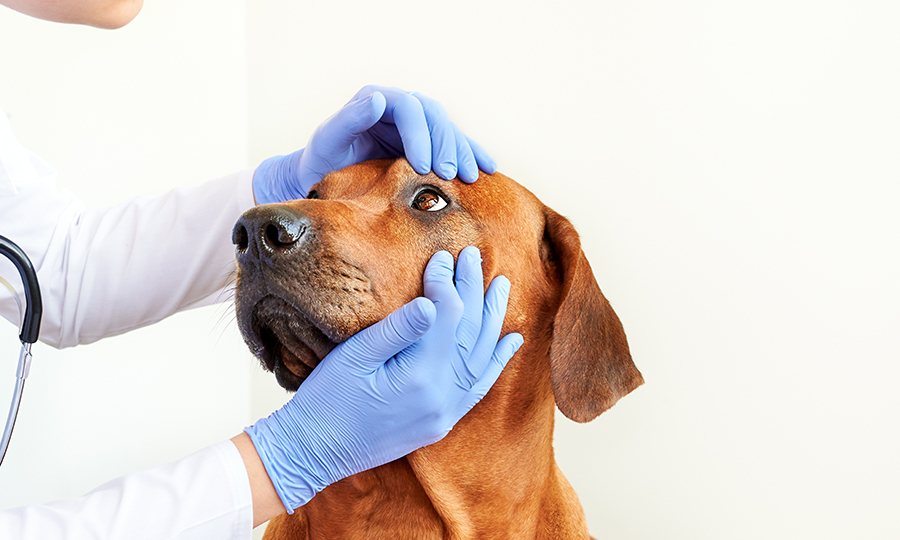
225	327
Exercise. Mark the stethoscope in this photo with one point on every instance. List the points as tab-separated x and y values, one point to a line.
31	326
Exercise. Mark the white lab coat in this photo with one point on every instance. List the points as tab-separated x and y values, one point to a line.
205	496
104	272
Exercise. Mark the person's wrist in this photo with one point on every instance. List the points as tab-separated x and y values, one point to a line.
266	502
289	456
275	179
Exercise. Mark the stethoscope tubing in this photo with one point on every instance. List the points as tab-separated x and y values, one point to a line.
21	374
31	327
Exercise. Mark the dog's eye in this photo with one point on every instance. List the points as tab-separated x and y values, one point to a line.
312	195
429	201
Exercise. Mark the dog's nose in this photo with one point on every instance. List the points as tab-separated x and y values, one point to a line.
266	232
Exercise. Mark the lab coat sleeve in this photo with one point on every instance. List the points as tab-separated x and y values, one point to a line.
106	271
203	496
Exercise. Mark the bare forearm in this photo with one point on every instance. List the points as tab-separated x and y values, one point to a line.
266	503
99	13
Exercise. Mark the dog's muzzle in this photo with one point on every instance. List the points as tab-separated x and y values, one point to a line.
268	240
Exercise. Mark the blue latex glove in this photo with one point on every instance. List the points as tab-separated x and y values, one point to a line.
379	122
385	392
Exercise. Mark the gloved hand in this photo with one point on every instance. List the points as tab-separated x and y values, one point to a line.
379	122
385	392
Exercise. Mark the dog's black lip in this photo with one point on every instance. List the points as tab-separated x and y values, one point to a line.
268	306
269	344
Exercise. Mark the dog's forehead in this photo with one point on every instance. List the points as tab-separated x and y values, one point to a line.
366	178
383	179
379	178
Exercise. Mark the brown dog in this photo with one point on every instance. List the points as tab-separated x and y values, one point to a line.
314	272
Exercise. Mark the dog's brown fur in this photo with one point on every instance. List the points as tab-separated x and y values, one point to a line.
361	250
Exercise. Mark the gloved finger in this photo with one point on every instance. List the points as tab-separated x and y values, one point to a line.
495	302
468	169
470	287
485	162
504	351
440	341
444	142
408	116
438	282
367	90
337	134
371	348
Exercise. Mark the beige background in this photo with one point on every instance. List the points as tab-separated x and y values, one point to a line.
733	168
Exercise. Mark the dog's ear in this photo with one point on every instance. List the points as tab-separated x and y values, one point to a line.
591	366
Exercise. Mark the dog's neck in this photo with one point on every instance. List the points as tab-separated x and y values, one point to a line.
492	476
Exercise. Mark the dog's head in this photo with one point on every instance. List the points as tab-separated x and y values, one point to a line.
314	272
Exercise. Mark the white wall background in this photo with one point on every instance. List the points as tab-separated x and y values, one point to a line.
733	168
